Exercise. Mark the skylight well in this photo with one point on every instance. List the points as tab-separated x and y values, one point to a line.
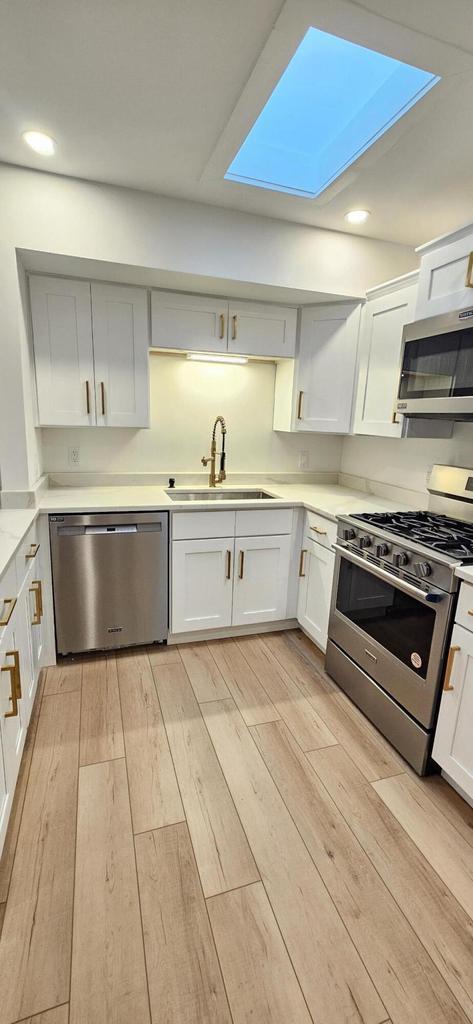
334	100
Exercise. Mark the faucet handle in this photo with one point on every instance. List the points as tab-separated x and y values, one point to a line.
205	461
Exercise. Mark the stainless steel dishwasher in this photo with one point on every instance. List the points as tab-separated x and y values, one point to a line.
110	579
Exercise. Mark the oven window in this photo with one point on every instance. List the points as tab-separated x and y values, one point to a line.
400	623
438	367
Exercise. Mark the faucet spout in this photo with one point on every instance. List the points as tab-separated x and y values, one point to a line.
215	478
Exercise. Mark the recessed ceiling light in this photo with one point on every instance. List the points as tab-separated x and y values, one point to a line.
357	216
210	357
41	143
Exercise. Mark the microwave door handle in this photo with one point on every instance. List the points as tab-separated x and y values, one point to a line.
433	597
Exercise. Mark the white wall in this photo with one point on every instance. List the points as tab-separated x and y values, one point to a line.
54	214
185	399
405	462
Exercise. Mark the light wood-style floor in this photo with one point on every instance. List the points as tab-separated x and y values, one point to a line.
214	834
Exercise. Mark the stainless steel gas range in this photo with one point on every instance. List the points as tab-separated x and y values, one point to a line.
392	611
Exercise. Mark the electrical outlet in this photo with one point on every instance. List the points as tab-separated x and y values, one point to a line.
74	456
303	460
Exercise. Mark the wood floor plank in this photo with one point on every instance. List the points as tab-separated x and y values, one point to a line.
2	915
246	690
108	981
295	710
185	983
313	655
101	734
206	679
442	925
63	678
161	654
334	981
36	938
409	984
154	792
260	980
223	856
440	843
11	838
452	805
58	1015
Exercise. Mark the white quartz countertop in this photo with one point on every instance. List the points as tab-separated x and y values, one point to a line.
465	572
330	500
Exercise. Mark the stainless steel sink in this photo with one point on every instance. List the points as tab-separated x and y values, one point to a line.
216	495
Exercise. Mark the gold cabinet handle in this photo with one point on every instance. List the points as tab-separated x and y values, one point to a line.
234	327
37	590
222	326
301	562
15	683
228	574
102	395
470	612
11	601
299	405
394	417
87	397
323	533
242	565
469	272
34	548
448	671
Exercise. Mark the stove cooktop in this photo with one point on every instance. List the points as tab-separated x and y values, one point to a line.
451	537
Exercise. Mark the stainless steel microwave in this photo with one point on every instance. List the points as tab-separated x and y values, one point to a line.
437	367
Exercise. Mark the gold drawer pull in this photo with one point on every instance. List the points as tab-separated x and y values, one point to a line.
470	611
228	574
448	671
222	326
102	394
242	565
87	397
15	683
234	327
34	548
12	602
299	405
323	533
469	272
37	590
301	562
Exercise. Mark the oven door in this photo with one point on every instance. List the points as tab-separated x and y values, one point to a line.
392	629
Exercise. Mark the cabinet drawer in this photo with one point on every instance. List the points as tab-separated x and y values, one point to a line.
464	614
27	554
8	594
318	528
197	525
258	522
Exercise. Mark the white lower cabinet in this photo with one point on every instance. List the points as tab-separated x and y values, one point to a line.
14	653
315	589
453	744
261	579
202	584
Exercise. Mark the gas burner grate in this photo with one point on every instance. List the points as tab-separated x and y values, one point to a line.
451	537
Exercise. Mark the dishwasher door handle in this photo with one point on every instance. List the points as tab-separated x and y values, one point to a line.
113	530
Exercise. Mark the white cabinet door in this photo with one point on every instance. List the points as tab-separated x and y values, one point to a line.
12	721
442	278
315	590
202	573
326	371
193	322
258	329
63	351
261	579
383	319
453	744
24	645
121	351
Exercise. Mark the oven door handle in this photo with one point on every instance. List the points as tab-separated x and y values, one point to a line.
433	597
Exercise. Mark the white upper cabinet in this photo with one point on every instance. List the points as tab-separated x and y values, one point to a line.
63	351
387	309
120	332
201	324
258	329
91	353
326	368
192	322
444	270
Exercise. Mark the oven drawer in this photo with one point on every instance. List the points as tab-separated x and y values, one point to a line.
464	614
320	529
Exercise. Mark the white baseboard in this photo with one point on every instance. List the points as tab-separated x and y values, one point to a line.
220	634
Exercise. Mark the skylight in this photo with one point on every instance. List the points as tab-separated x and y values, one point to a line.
334	100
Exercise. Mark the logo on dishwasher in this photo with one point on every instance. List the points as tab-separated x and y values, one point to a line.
115	629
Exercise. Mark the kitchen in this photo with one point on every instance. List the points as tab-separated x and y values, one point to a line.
236	633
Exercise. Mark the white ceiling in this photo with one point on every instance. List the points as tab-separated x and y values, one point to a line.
155	94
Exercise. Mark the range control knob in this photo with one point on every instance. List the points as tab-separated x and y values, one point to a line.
365	542
382	550
422	569
400	558
349	534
